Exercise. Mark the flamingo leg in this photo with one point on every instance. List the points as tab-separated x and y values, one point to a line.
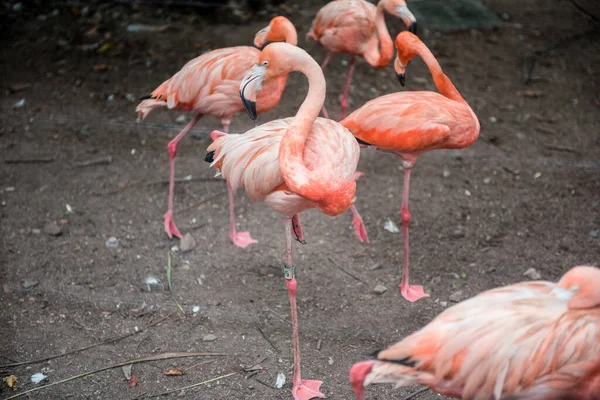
170	227
410	293
297	229
301	389
323	65
347	87
359	226
240	239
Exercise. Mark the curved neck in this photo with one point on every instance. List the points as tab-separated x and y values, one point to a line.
291	150
289	33
442	82
382	56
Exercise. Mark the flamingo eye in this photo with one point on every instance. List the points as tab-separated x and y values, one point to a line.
265	63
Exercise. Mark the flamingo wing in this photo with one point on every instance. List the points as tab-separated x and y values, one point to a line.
516	342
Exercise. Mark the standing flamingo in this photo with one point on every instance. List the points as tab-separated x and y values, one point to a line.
358	27
208	85
412	123
291	164
531	340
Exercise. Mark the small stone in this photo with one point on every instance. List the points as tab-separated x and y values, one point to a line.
195	309
444	303
456	296
593	234
112	242
445	172
187	243
380	289
533	274
487	180
30	284
52	229
467	193
209	338
458	234
181	119
36	231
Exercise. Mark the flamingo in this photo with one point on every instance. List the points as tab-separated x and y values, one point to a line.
291	164
358	27
208	85
412	123
530	340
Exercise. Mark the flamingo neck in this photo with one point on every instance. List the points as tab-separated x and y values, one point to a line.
381	57
291	150
289	33
442	82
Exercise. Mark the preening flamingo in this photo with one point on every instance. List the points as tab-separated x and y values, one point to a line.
531	340
208	85
412	123
358	27
291	164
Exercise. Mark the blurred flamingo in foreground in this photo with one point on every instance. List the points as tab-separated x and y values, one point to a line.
531	340
411	123
291	164
208	85
358	27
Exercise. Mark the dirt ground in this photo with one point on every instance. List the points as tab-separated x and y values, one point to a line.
525	195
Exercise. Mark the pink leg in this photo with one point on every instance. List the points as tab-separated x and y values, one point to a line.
301	389
359	226
410	293
240	239
170	227
325	62
347	87
297	229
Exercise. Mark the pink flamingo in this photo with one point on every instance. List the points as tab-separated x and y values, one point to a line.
358	27
531	340
208	85
291	164
411	123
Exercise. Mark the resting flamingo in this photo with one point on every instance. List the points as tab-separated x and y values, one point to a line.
291	164
358	27
208	85
531	340
412	123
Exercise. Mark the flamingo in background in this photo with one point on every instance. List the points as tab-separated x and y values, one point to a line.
208	85
412	123
531	340
291	164
358	27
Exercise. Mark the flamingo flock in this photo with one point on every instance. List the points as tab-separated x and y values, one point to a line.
534	340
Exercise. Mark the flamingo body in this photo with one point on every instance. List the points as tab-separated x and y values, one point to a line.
527	341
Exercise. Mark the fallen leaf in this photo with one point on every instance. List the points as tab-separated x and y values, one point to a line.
101	67
11	381
172	372
390	226
37	378
104	47
133	381
127	371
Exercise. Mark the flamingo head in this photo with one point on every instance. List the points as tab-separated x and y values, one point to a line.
399	9
407	44
274	61
280	29
358	374
584	281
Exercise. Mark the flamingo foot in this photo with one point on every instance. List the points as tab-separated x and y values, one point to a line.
170	227
307	390
359	229
412	293
242	239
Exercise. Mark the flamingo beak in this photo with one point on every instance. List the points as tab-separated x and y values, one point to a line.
408	18
401	79
251	84
358	374
260	39
400	71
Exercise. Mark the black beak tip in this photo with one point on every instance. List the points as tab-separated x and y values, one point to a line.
301	241
250	108
401	79
413	28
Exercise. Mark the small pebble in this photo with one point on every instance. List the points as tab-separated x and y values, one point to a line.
52	229
112	242
36	231
209	338
380	289
445	172
30	284
195	309
533	274
456	296
187	243
444	303
593	234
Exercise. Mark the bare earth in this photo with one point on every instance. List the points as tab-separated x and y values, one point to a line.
525	195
